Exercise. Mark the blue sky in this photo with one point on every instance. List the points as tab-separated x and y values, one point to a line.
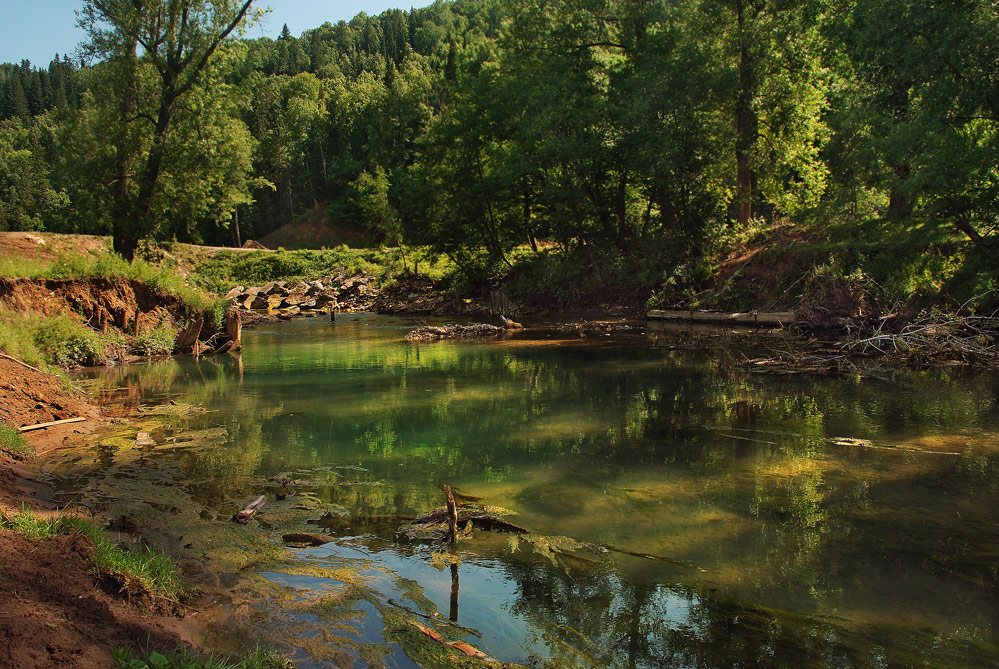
38	29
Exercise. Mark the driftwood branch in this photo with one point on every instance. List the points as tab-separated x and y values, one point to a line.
243	517
23	364
452	517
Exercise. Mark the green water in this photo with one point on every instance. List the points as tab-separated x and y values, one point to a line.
801	520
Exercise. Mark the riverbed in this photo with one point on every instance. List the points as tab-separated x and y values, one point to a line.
682	511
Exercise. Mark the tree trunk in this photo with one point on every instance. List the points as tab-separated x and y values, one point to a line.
746	123
963	224
900	203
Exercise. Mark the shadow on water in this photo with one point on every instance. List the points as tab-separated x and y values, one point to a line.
682	511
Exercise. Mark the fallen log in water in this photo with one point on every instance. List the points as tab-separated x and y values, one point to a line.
751	318
243	517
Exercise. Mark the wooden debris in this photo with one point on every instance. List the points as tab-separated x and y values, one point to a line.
187	340
452	517
465	648
306	538
510	324
234	328
435	616
40	426
754	318
243	517
453	331
23	364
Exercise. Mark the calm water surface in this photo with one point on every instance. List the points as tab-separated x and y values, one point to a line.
685	512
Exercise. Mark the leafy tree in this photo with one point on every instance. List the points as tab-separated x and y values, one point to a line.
179	40
28	201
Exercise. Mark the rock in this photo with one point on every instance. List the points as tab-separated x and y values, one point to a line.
275	301
259	302
273	288
232	294
308	304
316	287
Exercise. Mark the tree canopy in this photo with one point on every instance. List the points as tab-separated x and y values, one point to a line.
474	127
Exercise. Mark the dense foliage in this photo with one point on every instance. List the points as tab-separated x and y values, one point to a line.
627	133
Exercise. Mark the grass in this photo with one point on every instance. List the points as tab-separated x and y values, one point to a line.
260	658
54	341
13	444
153	570
226	269
110	265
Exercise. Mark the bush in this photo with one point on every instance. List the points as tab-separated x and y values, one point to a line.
156	342
67	342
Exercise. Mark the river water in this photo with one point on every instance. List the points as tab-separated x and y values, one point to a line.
683	511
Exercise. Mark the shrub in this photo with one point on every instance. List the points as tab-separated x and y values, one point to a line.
155	342
67	342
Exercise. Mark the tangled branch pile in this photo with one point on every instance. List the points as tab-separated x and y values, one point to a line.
451	331
930	337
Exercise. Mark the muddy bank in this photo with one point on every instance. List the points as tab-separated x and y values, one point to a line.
54	611
55	615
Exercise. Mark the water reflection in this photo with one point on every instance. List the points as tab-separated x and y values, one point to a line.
828	521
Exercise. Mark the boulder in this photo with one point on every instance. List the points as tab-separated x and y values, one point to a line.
258	301
273	288
235	292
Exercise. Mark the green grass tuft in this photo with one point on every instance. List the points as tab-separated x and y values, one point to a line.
153	570
260	658
12	443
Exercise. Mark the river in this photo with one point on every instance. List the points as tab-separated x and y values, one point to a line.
682	510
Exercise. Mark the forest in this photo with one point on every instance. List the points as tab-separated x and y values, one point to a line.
530	139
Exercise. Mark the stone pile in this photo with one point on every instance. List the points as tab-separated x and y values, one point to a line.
329	293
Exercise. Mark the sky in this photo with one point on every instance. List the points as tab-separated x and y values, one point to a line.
39	29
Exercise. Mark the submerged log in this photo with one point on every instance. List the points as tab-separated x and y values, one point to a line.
243	517
306	538
752	318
